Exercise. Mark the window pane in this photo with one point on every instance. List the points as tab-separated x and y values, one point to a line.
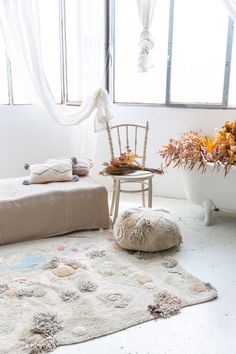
49	19
85	35
20	94
198	52
130	85
232	83
3	75
73	48
50	41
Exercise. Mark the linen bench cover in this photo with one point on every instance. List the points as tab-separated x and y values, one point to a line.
44	210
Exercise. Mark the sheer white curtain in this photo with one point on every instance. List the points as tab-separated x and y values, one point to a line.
231	6
20	28
146	9
92	44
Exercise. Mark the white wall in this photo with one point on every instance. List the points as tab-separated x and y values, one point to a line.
29	135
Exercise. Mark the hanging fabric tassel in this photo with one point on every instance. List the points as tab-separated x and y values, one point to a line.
146	10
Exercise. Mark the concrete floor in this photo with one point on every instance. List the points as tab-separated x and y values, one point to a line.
209	328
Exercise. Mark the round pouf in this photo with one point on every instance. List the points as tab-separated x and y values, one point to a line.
146	229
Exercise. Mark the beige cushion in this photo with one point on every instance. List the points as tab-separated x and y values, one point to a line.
54	171
146	229
82	167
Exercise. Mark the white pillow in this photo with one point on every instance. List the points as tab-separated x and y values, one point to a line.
80	167
55	171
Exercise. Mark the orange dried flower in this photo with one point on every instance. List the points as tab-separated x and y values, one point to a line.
192	149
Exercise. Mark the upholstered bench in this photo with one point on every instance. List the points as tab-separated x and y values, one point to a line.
44	210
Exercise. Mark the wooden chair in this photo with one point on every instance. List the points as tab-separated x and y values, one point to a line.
121	134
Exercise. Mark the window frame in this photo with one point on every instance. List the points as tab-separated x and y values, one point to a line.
63	65
9	81
110	64
228	57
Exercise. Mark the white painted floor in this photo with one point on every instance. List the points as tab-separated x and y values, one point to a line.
209	328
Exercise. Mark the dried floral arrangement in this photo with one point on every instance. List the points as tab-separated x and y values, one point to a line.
124	164
193	149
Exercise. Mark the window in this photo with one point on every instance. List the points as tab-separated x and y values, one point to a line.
60	29
73	42
3	75
130	85
192	55
199	45
50	14
232	86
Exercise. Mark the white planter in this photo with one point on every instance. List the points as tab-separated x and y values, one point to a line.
211	189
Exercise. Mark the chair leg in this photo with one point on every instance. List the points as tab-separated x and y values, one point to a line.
150	193
113	197
117	200
143	194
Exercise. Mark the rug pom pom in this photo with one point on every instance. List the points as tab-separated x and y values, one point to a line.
26	166
75	178
74	160
26	183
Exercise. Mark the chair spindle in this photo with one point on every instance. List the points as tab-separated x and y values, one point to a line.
119	141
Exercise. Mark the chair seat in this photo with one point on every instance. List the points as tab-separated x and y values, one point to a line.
134	176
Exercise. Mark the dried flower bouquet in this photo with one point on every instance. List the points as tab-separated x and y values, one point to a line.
124	164
193	149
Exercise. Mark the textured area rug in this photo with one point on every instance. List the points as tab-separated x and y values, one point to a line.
71	289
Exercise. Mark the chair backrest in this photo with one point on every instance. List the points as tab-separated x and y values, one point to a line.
127	136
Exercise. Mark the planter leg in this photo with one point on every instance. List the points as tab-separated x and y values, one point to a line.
209	207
